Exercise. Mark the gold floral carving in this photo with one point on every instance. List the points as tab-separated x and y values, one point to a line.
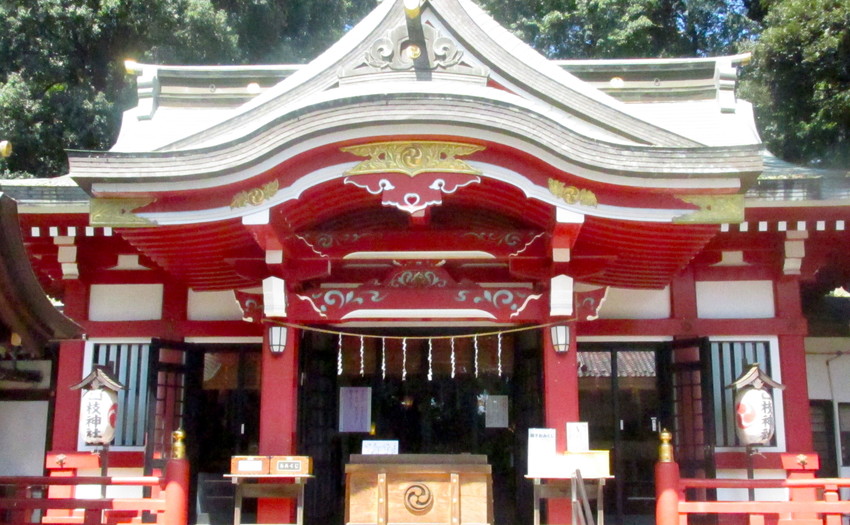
118	213
412	158
713	209
571	194
255	196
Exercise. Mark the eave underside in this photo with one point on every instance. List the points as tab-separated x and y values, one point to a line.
24	308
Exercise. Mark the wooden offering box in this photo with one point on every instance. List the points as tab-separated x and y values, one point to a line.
249	465
418	488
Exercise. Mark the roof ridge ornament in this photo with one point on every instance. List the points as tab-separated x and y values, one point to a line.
413	8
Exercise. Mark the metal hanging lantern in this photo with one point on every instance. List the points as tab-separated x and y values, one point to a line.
755	417
99	410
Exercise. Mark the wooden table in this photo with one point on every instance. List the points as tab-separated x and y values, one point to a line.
277	487
564	488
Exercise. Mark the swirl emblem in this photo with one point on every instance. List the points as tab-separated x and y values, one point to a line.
418	499
411	157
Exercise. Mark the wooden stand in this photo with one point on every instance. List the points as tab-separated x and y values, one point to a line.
564	488
418	488
278	486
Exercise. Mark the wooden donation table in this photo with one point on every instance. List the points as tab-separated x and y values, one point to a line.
277	486
563	477
418	488
565	488
270	477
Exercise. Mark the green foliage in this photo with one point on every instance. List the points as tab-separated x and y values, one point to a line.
626	28
801	81
286	31
62	82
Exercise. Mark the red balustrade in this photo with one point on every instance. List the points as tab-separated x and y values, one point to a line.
820	504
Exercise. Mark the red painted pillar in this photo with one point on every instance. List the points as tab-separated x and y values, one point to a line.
560	386
278	417
560	401
667	493
69	372
792	359
176	492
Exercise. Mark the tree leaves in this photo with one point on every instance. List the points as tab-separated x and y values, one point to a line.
626	28
62	82
801	81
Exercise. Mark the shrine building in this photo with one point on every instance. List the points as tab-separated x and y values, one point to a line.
482	240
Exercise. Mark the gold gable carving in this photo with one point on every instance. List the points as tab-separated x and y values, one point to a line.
118	213
255	196
412	157
571	194
713	209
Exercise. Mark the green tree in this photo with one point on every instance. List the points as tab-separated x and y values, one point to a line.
626	28
800	84
62	82
286	31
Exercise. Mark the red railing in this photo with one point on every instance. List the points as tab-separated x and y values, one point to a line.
810	500
169	500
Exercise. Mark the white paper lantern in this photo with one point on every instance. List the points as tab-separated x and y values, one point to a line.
98	415
755	420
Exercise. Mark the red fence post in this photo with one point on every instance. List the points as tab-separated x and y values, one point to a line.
666	484
830	494
801	466
177	483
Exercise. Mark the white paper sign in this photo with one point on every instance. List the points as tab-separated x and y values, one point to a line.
578	439
541	450
496	412
355	409
380	446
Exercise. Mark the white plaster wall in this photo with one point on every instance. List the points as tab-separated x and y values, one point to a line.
125	302
828	367
625	303
213	306
735	299
23	427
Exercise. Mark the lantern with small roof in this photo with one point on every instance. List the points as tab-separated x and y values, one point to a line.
755	418
99	410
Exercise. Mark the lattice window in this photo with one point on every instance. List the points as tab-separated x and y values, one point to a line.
129	362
